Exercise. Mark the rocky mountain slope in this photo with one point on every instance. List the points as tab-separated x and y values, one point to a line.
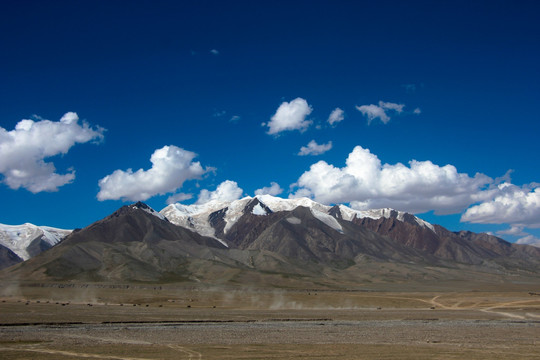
257	223
268	240
133	243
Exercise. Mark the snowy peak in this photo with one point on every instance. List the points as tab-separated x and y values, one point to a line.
259	210
278	204
148	209
197	217
319	211
256	207
28	239
349	214
216	218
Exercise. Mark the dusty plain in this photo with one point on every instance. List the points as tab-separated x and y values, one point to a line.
144	321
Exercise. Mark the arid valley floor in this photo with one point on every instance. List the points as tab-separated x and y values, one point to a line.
143	322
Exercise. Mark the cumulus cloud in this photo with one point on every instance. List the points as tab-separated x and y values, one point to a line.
171	167
226	191
214	52
366	183
529	240
511	205
274	189
23	151
290	116
336	116
417	111
525	238
372	112
514	230
313	148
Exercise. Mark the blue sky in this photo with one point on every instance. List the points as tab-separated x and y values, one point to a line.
437	107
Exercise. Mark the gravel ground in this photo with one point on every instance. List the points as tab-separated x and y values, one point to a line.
133	325
444	339
463	332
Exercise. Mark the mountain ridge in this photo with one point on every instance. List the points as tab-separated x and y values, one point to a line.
403	227
265	239
196	216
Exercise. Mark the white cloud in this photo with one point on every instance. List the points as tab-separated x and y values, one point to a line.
511	205
313	148
178	198
366	183
380	111
373	112
417	111
214	52
526	238
336	116
171	166
290	116
23	151
226	191
274	189
235	119
514	230
529	240
391	106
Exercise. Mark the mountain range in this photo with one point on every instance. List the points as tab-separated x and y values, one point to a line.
273	241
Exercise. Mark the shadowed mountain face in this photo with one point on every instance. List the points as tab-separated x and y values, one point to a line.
462	247
130	244
135	224
256	239
298	234
8	258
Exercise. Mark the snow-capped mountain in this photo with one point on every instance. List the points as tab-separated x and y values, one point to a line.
265	238
28	240
202	218
148	209
263	222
